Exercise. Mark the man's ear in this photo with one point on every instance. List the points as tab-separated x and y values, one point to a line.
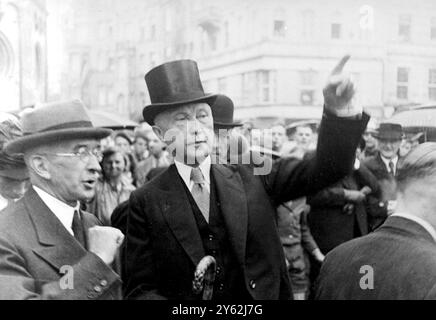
40	165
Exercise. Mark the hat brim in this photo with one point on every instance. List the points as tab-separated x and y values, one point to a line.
20	145
17	174
388	137
151	111
222	125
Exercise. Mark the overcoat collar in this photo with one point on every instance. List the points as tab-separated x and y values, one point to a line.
58	247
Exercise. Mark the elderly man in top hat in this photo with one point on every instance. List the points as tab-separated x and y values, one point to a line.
196	209
49	248
384	166
398	260
13	172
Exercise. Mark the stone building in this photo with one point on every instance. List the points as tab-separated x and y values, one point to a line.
23	53
271	57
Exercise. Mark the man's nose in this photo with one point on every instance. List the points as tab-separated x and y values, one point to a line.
93	164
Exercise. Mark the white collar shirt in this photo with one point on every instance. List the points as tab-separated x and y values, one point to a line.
386	162
61	210
185	172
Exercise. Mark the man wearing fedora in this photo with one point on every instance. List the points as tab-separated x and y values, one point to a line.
49	248
13	172
384	166
196	209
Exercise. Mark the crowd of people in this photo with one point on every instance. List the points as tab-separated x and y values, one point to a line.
134	213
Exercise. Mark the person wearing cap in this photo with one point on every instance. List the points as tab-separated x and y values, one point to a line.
398	260
384	167
371	147
49	247
13	172
196	209
303	135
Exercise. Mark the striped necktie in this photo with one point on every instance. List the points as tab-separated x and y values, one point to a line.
200	193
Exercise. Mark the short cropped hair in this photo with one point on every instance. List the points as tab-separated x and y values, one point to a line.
418	164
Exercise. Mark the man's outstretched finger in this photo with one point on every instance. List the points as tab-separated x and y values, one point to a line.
340	66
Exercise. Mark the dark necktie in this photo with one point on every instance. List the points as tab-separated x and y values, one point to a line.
78	229
200	193
391	168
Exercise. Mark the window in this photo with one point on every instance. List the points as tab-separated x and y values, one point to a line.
308	23
266	85
432	84
307	87
402	83
335	31
226	34
222	85
307	97
153	32
404	28
433	29
279	28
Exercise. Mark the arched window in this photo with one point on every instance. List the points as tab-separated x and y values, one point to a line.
38	64
6	57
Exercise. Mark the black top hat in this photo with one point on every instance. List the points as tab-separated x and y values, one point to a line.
222	111
173	84
389	131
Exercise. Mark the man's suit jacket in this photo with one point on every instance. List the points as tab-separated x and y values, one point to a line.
329	224
402	258
377	206
163	242
36	251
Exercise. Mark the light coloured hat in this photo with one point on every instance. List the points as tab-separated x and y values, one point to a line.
55	122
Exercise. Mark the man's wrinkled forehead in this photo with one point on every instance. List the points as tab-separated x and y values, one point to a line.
190	108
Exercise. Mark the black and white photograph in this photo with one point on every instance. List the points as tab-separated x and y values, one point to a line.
234	152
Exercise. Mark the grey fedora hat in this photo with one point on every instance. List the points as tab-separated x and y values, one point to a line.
55	122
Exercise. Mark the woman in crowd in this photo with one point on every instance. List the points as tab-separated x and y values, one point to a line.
113	188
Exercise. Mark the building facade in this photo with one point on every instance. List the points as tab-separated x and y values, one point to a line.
271	57
23	53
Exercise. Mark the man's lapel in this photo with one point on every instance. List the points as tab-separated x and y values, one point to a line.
233	202
58	247
178	213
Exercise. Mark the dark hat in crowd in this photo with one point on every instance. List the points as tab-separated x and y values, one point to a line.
292	128
173	84
123	135
389	131
55	122
222	111
11	166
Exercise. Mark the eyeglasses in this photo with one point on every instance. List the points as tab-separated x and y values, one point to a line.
83	153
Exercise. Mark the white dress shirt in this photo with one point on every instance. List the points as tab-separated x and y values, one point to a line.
386	162
427	226
3	202
61	210
185	172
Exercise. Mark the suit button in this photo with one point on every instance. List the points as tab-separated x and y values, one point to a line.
218	270
221	287
97	289
103	283
291	236
210	237
252	284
